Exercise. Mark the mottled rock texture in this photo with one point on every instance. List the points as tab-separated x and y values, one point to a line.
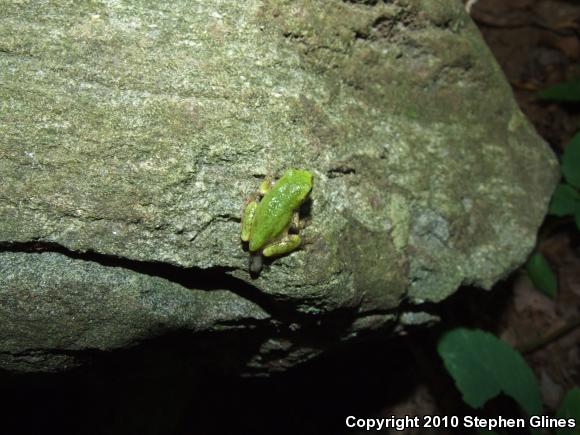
131	133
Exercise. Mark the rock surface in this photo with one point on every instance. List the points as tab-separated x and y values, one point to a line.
132	132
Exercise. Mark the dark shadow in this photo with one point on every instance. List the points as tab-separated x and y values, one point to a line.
172	385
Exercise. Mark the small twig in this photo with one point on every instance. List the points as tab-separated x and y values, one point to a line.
550	337
469	5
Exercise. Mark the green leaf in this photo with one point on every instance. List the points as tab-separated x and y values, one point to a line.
565	201
565	91
541	274
483	366
570	408
571	161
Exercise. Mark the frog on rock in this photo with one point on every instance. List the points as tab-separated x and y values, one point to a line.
265	223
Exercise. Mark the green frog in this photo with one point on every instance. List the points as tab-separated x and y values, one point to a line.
266	221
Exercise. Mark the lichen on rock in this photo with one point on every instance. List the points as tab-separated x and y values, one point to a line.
131	134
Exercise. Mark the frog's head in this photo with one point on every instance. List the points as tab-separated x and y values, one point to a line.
301	180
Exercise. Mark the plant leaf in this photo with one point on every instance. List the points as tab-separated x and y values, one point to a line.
571	161
577	219
565	91
565	200
483	366
540	272
570	408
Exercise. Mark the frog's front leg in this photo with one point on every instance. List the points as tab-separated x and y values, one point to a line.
295	224
266	185
286	244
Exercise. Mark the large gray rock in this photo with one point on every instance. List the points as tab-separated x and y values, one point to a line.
132	132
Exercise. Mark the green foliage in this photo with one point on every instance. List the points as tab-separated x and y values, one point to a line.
565	201
571	161
570	408
483	366
565	91
566	198
541	274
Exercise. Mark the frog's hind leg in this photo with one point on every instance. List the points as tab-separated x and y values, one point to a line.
283	246
247	219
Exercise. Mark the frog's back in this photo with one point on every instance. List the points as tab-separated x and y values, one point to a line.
274	212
